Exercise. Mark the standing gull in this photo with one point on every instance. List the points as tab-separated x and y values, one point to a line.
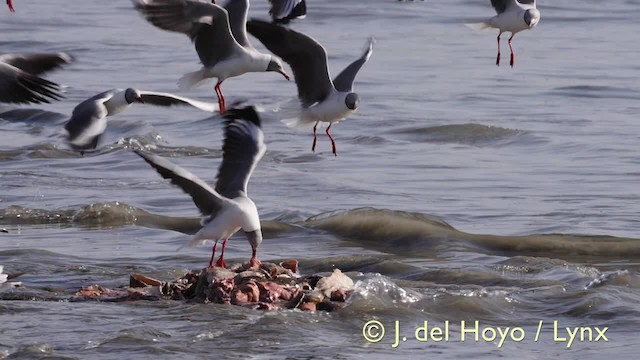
227	208
89	119
513	16
219	35
19	80
322	100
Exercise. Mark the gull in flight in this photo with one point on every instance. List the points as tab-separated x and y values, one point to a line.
321	99
513	16
89	119
219	35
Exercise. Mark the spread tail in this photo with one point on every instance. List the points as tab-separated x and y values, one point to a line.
189	80
196	240
292	116
479	26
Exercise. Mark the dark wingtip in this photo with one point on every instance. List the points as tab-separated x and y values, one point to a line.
248	113
298	12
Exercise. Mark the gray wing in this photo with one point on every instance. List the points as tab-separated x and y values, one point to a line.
344	80
237	10
206	24
88	122
37	63
166	99
501	5
205	198
17	86
242	150
307	58
283	11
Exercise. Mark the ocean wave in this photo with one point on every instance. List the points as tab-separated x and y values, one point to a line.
414	234
470	134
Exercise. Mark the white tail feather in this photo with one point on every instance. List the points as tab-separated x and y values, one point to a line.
196	240
291	115
189	80
479	26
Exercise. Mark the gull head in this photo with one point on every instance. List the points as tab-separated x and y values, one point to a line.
254	238
532	17
351	101
276	65
131	95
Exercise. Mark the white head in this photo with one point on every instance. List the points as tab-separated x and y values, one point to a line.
352	101
131	95
532	17
254	237
276	65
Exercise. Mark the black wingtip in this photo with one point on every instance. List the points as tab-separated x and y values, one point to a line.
248	113
298	12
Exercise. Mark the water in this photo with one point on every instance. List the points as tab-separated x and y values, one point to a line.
461	190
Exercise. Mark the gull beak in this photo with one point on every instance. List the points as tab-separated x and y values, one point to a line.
285	75
139	99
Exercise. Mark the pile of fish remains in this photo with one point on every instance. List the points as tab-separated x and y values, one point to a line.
270	287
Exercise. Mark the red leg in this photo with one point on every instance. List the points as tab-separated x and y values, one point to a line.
221	102
254	262
220	262
513	58
498	58
333	143
213	254
10	3
315	138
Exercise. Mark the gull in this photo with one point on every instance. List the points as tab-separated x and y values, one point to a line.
19	80
89	119
227	208
219	35
513	16
321	99
283	11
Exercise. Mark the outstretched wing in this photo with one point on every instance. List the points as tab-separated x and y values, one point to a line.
242	150
166	99
206	24
37	63
238	10
17	86
205	198
501	5
307	58
344	80
283	11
